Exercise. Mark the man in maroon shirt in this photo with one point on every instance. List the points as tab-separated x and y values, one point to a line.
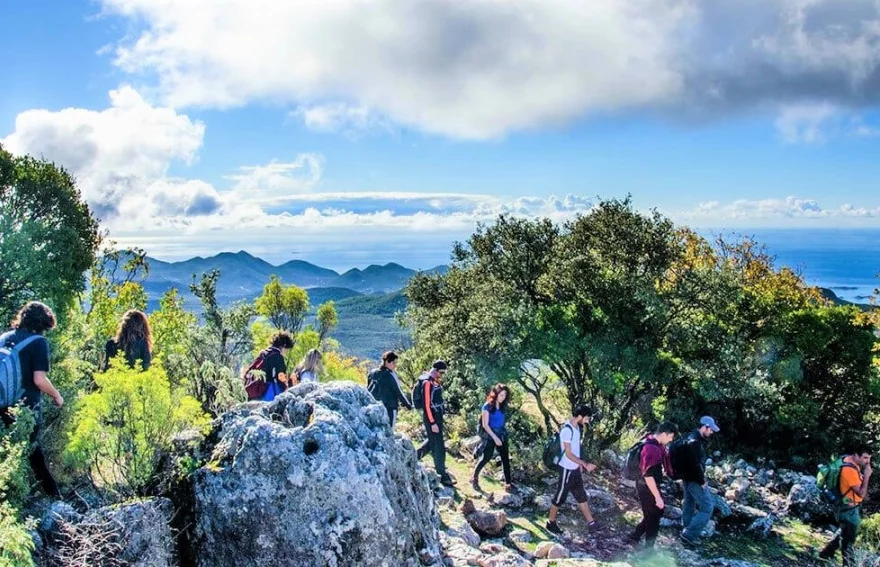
654	460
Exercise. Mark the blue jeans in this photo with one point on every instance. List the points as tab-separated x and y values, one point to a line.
695	496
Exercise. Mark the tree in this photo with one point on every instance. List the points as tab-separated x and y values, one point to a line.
48	236
226	333
327	320
284	305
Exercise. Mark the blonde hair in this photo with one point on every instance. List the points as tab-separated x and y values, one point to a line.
311	362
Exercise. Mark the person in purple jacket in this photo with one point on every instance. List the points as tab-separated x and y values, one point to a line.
653	462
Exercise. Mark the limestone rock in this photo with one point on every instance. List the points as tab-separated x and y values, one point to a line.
315	477
520	536
600	501
558	551
458	527
490	523
543	548
805	501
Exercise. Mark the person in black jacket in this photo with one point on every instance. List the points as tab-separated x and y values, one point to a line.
432	417
698	505
134	339
382	383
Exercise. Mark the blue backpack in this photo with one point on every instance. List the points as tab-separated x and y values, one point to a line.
11	379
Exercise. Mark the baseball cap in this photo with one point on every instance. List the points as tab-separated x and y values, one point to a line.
710	423
439	365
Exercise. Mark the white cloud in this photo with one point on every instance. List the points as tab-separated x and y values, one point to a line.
791	211
806	123
340	117
279	178
115	154
483	68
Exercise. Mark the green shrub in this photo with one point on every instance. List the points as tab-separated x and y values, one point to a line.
16	544
121	431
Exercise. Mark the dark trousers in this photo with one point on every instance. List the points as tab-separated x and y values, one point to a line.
651	514
487	449
844	541
392	415
435	446
36	458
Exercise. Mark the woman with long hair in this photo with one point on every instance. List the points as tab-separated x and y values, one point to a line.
493	431
133	338
310	367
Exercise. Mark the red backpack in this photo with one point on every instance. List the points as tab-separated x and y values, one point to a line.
255	384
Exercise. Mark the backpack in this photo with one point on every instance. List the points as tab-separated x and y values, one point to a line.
255	383
678	457
553	450
11	379
418	394
632	470
828	481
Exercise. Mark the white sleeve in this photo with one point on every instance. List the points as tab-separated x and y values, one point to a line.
565	434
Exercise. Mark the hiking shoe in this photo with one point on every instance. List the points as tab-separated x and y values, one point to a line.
447	480
475	484
594	526
553	528
687	541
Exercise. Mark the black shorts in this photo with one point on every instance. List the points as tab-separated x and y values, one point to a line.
569	481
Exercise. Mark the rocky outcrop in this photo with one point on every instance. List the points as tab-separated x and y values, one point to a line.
314	478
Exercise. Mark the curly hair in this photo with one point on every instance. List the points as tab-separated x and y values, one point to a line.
282	339
134	326
35	317
494	392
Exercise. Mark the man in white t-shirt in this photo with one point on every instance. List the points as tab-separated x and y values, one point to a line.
570	465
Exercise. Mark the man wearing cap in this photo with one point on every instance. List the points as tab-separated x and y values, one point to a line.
431	404
697	508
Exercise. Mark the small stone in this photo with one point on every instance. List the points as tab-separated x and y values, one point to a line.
558	551
520	536
543	549
543	502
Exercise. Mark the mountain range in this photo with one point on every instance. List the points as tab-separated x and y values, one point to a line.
242	276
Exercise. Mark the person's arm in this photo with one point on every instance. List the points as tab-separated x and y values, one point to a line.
147	359
651	458
41	381
862	490
401	397
428	413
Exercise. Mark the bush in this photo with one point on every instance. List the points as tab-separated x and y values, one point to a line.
16	544
120	431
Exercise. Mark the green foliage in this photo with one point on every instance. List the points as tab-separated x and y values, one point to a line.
327	319
48	236
285	306
120	430
16	543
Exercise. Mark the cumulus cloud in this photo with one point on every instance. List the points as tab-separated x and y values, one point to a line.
483	68
115	154
277	177
791	211
340	117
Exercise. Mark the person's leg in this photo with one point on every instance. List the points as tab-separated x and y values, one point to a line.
390	416
561	492
438	451
425	447
41	471
576	485
504	451
642	527
688	507
703	499
848	534
653	514
487	451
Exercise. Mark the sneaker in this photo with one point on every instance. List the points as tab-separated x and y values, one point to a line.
594	525
475	484
553	528
687	541
447	480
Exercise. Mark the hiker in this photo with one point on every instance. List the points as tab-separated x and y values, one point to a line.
385	387
653	461
134	339
855	474
428	395
690	456
570	465
267	375
309	367
493	434
27	337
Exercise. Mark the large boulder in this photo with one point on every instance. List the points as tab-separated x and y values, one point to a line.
805	500
314	478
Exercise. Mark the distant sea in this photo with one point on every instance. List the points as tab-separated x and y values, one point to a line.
846	261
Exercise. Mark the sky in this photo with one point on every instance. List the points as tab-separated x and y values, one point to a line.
349	132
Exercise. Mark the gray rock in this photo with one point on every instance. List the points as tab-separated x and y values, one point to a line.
458	527
601	501
805	501
762	526
672	512
509	500
487	522
137	534
314	478
543	502
611	460
520	536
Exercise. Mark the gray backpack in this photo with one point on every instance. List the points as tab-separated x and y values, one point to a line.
11	384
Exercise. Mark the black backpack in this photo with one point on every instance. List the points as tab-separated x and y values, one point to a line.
678	456
418	394
632	470
553	450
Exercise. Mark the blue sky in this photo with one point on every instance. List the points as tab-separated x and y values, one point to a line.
347	133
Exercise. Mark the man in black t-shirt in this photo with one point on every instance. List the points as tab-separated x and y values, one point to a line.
35	318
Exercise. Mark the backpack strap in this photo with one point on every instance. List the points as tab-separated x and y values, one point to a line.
23	344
